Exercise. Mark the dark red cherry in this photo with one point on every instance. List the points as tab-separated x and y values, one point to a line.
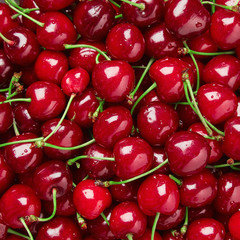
156	122
50	5
187	152
234	226
59	228
159	156
201	212
113	124
93	19
127	218
51	66
25	49
52	174
57	31
23	157
91	200
6	116
17	202
217	103
205	229
158	194
125	42
47	100
28	75
133	156
147	235
225	27
187	19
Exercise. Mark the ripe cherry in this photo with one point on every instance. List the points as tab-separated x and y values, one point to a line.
3	229
201	212
234	226
159	156
51	5
147	235
6	116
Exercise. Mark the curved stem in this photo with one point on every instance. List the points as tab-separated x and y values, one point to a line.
97	58
217	5
105	218
155	225
13	3
15	78
15	128
73	160
12	95
98	110
26	227
183	229
11	231
210	54
234	168
26	10
8	41
129	236
223	165
114	3
16	100
176	180
141	6
22	141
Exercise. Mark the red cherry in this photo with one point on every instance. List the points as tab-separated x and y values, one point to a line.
50	5
159	156
147	235
201	212
6	116
3	229
28	76
234	226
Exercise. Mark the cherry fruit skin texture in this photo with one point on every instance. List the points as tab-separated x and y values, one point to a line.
217	103
51	66
205	229
6	116
231	139
159	156
187	152
57	31
167	73
59	228
223	70
147	235
23	157
113	80
158	194
201	212
91	200
25	49
133	156
156	122
187	19
234	225
51	5
127	218
160	42
125	42
19	201
113	124
47	100
93	19
225	27
52	174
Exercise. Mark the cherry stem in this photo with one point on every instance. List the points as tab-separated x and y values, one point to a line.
26	227
141	78
15	78
155	225
217	5
118	16
223	165
74	184
72	46
22	141
176	180
141	67
15	128
97	58
114	3
154	85
73	160
16	5
183	229
4	90
141	6
105	219
234	168
62	118
213	7
98	110
26	10
209	54
11	231
129	236
8	41
81	221
16	100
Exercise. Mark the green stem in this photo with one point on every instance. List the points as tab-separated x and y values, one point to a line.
118	16
114	3
26	227
72	46
22	141
213	7
15	78
13	3
141	6
4	90
15	128
12	95
98	110
234	168
74	184
105	218
176	180
223	165
183	229
11	231
8	41
217	5
73	160
16	100
129	236
140	67
81	221
26	10
210	54
97	58
155	225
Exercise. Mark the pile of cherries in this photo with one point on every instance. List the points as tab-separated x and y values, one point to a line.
120	119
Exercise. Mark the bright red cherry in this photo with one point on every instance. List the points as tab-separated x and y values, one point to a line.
6	116
147	235
50	5
234	225
159	156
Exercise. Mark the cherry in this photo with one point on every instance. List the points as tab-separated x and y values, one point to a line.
201	212
6	116
3	229
51	66
19	201
133	156
51	5
233	225
57	31
169	236
127	219
59	228
156	122
158	193
147	235
206	229
217	103
159	156
125	42
93	19
28	76
52	175
91	200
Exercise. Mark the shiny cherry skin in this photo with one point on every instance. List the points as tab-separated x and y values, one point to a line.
57	31
125	42
156	122
225	26
59	228
23	157
201	212
187	152
205	229
91	200
147	235
227	201
113	124
158	193
51	5
127	218
19	201
75	81
223	70
6	116
170	83
160	42
169	236
187	19
95	168
159	156
113	80
217	103
93	19
133	156
231	138
82	108
47	100
51	66
234	226
49	175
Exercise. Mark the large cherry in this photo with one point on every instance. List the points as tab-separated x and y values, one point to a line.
51	5
234	226
6	116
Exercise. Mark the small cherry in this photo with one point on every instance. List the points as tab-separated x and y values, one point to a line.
147	235
51	5
234	226
6	116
